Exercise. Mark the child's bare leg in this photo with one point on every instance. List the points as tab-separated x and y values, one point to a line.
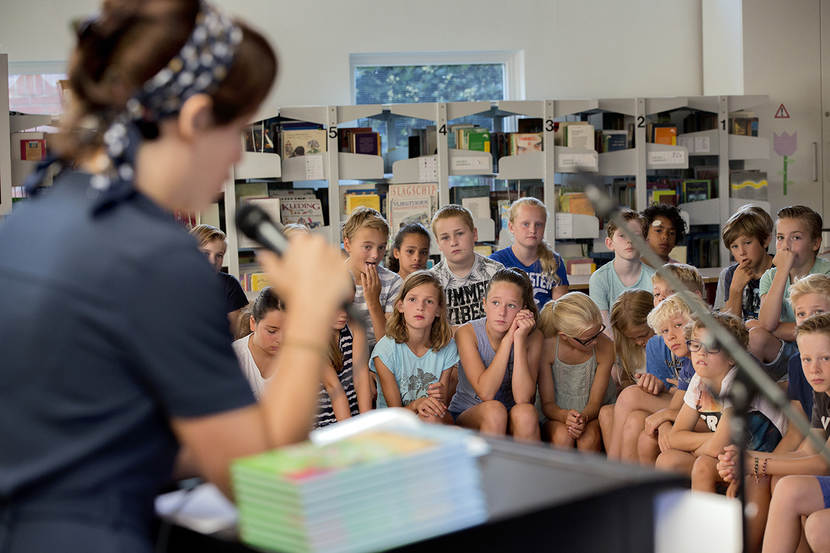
606	424
633	427
817	530
705	474
559	436
676	461
488	417
631	398
524	422
794	496
647	449
591	438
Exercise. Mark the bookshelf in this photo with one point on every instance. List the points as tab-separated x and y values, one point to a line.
552	166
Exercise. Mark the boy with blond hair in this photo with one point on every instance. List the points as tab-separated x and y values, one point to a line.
625	272
746	235
365	236
463	273
797	241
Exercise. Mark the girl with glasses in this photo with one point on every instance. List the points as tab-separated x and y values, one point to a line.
575	375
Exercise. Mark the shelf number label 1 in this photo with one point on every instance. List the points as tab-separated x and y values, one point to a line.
332	132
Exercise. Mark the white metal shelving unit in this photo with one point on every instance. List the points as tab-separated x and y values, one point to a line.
543	165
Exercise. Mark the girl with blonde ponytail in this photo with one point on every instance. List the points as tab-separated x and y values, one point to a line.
531	253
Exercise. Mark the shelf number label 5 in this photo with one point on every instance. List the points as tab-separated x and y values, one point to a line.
332	132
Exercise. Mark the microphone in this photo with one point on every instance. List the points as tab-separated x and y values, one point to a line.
255	223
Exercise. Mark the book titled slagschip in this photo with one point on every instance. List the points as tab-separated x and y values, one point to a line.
368	492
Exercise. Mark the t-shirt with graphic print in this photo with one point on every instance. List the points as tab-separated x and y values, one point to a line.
821	412
413	374
710	408
750	299
465	296
543	284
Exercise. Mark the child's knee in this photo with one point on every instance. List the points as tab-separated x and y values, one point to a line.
606	415
634	423
704	469
493	417
590	440
628	398
561	437
671	460
524	420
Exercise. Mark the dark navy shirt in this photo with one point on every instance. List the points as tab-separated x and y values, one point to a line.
235	297
798	389
110	326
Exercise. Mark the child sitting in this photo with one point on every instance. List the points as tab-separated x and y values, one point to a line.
410	250
797	240
531	253
414	360
808	296
256	350
799	496
693	452
631	332
625	272
499	361
746	235
212	244
653	394
365	235
664	228
575	374
462	272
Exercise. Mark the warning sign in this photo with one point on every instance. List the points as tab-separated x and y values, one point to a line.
782	113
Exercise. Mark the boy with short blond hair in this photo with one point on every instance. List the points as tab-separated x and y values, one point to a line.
463	273
625	272
688	275
365	236
746	235
797	241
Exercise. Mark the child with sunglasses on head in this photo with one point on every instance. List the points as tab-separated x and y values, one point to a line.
575	373
693	452
499	361
415	359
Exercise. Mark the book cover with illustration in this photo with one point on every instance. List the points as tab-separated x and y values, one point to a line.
301	142
305	211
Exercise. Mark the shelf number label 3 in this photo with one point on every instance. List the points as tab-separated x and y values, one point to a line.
550	125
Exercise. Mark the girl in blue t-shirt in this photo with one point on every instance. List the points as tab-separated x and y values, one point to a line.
531	253
414	359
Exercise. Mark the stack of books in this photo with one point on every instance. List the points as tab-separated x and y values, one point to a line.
372	491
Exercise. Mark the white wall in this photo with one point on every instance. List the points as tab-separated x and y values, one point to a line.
572	48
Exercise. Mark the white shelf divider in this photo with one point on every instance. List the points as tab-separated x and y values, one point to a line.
618	163
530	165
258	165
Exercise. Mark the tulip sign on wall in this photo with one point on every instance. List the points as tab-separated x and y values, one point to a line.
785	145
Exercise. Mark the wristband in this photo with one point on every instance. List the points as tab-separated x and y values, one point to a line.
322	351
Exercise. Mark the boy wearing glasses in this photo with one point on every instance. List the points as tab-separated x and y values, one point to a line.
694	452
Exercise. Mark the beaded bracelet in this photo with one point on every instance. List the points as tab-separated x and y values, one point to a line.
764	468
755	469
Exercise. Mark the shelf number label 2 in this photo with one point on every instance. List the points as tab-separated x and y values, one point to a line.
332	132
641	122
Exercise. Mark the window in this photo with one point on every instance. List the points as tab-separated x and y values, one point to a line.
35	87
432	77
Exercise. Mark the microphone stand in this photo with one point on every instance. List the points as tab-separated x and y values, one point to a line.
750	378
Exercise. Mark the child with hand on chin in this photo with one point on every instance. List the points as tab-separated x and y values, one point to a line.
365	235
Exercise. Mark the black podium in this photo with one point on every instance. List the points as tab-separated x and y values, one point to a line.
538	499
